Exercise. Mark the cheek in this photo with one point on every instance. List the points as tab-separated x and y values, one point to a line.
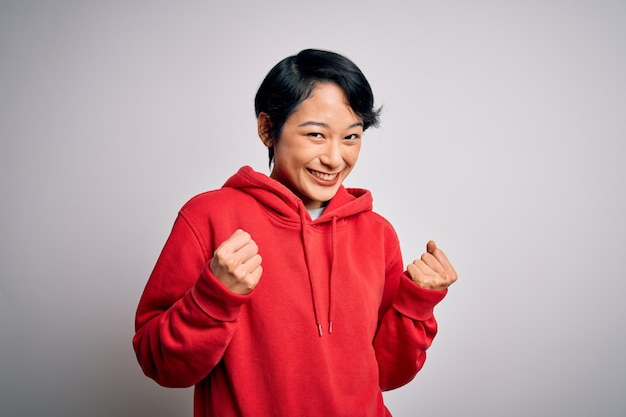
289	151
352	155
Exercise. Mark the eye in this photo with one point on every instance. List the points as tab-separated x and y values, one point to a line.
315	135
353	136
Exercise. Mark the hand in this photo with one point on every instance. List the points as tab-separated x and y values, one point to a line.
236	263
432	271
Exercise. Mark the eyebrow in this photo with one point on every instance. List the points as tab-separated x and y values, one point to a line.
324	125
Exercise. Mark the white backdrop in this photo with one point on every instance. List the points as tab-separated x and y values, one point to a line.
503	138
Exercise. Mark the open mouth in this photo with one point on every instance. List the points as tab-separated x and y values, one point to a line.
322	175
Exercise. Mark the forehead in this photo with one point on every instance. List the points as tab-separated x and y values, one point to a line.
326	102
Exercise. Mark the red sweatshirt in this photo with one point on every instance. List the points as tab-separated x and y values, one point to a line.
333	321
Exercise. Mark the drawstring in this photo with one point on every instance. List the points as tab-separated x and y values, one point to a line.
308	267
330	279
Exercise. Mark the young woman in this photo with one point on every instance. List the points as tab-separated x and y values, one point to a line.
286	295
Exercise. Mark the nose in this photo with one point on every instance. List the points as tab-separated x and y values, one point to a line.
331	155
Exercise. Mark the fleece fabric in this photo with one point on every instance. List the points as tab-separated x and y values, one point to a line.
333	322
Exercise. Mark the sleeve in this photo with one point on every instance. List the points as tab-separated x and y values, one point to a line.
405	331
186	317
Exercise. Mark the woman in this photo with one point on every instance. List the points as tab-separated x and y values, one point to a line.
286	295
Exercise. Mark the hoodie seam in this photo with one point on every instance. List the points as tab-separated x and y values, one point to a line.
196	233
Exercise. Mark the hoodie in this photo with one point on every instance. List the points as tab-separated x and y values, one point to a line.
332	323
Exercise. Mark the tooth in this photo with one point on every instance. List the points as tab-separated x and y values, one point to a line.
323	176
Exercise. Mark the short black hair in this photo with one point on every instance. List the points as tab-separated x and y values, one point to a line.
294	78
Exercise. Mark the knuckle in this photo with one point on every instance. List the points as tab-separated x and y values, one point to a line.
240	272
220	253
230	264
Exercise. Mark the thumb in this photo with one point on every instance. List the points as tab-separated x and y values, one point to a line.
431	246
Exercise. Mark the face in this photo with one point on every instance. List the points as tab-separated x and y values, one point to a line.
318	146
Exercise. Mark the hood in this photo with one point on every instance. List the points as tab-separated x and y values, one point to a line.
283	203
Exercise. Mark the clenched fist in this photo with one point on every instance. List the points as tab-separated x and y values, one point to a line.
236	263
432	271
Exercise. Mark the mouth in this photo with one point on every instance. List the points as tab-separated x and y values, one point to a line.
323	176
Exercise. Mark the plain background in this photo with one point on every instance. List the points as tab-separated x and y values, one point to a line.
503	138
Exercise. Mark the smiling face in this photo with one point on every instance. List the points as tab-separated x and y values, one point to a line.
318	146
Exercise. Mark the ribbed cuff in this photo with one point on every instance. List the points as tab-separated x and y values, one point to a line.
215	299
416	302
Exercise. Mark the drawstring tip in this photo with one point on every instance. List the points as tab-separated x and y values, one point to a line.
330	327
319	329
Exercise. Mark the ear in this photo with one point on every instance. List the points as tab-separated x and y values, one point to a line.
264	126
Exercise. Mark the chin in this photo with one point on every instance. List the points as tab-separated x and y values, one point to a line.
323	199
